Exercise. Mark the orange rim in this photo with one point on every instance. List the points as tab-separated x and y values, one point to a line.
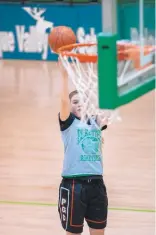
65	51
125	52
72	46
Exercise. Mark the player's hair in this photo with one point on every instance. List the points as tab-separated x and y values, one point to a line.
71	94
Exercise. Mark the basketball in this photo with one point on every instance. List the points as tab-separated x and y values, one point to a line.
61	36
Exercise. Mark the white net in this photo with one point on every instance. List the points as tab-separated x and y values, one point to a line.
84	77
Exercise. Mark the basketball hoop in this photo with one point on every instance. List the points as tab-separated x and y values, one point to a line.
80	62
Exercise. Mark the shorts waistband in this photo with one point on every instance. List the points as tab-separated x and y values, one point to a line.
87	179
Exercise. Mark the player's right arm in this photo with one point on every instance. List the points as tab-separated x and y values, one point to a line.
65	103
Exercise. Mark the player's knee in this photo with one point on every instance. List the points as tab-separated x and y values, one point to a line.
68	233
96	231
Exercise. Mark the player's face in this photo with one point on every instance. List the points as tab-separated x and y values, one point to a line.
76	106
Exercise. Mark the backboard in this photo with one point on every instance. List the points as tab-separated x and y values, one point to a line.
126	52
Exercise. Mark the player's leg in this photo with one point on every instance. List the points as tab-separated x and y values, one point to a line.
96	215
96	231
70	207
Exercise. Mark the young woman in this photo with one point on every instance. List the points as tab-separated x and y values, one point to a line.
82	193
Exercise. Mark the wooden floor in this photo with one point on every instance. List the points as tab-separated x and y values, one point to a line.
31	154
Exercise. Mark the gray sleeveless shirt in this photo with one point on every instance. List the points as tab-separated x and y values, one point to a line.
82	147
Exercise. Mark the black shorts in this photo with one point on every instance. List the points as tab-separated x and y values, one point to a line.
82	198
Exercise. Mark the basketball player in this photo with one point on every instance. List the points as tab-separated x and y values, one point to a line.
82	193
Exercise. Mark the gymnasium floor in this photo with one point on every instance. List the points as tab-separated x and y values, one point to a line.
31	154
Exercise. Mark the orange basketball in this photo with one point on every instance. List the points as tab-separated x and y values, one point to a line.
61	36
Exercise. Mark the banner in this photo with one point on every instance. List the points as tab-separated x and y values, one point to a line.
24	28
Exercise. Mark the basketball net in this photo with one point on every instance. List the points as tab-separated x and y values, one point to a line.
80	62
84	77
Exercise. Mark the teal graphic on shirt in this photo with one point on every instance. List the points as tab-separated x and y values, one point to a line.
90	142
